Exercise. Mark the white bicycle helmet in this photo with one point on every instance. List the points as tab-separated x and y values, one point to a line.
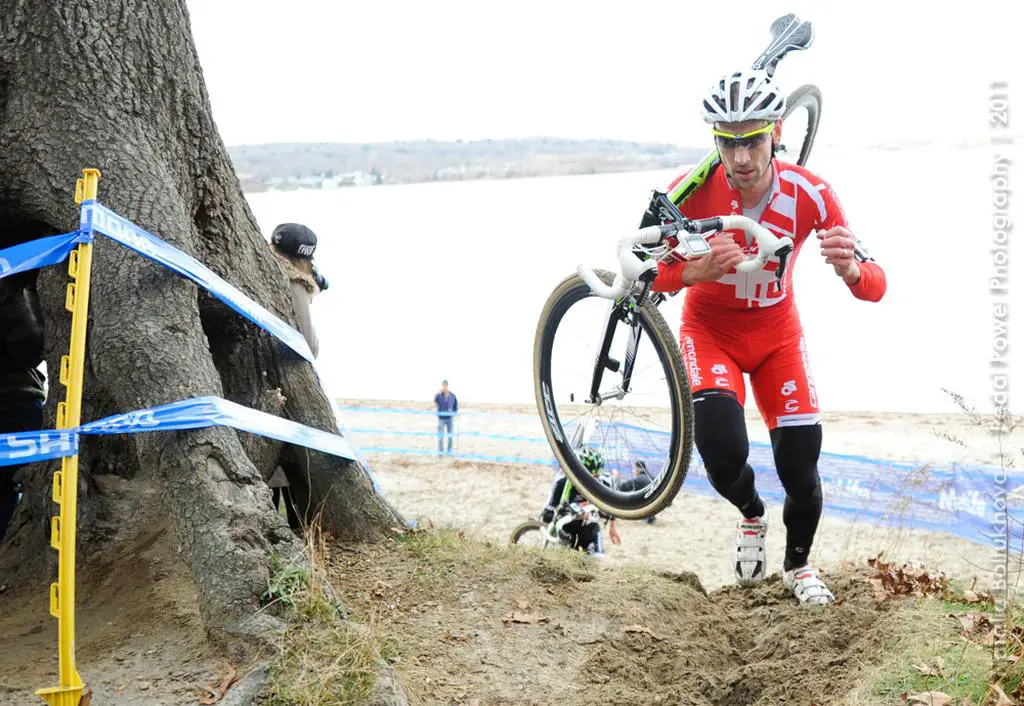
744	95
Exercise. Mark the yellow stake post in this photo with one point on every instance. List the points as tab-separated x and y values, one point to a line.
65	481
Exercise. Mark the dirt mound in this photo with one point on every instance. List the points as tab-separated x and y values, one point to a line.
470	622
139	638
739	647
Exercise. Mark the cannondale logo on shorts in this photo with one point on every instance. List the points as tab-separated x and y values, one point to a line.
691	362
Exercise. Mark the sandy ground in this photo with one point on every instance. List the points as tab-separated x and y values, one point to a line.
696	533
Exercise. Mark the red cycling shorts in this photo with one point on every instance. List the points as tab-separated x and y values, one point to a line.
718	349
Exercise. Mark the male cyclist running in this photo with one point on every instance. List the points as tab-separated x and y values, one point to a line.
585	537
735	323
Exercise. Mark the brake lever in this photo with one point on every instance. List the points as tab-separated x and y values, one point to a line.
783	254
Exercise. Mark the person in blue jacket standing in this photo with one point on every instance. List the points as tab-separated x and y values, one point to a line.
447	407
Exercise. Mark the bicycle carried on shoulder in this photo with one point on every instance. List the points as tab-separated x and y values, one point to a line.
629	389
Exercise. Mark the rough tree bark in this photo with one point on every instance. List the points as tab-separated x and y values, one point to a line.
117	85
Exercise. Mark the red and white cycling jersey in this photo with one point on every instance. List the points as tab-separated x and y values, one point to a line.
800	203
748	323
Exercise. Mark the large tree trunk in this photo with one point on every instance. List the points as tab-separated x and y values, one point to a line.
116	85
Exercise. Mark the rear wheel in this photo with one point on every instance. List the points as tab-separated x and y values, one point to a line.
800	122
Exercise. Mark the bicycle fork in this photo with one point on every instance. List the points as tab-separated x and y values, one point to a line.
617	311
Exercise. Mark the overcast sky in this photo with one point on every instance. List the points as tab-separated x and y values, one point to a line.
381	70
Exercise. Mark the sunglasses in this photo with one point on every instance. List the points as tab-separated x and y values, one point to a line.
750	140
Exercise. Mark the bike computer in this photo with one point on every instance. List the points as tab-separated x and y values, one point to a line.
691	246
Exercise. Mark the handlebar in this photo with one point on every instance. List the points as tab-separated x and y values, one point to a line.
691	245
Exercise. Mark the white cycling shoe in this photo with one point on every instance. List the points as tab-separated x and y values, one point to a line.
807	586
750	554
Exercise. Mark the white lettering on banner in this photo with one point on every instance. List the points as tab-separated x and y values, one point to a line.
123	230
843	487
970	502
44	444
143	418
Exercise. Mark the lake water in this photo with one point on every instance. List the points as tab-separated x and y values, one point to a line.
447	280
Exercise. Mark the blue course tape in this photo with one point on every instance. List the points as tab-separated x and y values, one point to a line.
41	252
475	434
460	455
426	412
97	217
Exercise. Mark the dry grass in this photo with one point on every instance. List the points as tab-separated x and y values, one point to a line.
983	667
325	657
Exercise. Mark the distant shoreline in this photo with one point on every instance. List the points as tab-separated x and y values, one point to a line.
291	166
307	166
251	188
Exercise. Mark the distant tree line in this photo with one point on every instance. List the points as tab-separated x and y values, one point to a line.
328	165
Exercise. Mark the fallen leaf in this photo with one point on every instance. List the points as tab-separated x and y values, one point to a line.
971	597
926	670
517	616
931	698
215	695
1003	698
523	604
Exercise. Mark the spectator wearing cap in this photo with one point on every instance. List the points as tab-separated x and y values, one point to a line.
295	244
447	407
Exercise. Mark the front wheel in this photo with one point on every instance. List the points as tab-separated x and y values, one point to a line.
532	533
642	424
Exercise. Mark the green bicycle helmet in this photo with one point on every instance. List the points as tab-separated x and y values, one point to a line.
592	460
